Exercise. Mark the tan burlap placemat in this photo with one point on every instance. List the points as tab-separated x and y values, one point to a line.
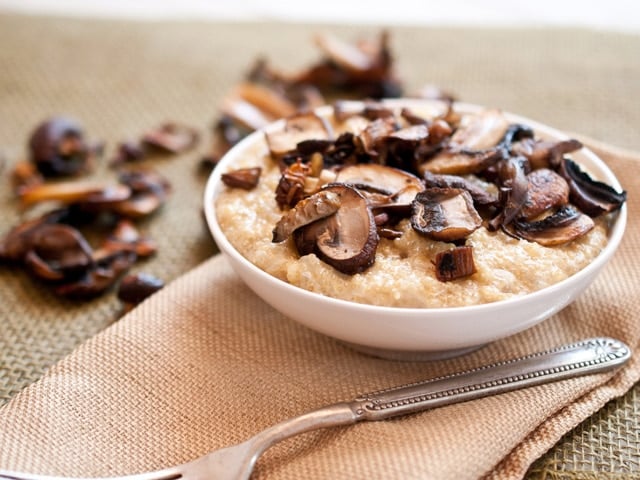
121	78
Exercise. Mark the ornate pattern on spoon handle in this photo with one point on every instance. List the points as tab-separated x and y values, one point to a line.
588	356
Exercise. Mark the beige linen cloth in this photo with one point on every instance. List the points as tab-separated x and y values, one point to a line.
204	363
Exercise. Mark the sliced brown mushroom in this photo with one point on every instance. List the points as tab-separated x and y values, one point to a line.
455	263
445	214
514	187
456	162
591	196
544	153
245	178
17	242
126	236
346	240
304	126
107	268
58	148
75	192
344	54
266	99
546	189
57	252
320	205
245	114
376	132
565	225
480	195
171	137
135	288
480	131
149	192
400	186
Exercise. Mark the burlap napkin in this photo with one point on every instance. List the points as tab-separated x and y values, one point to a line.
204	363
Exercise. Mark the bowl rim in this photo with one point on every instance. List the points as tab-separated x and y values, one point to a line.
615	234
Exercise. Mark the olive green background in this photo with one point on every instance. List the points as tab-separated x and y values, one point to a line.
120	78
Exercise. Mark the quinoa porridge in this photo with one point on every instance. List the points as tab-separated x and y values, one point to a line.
402	271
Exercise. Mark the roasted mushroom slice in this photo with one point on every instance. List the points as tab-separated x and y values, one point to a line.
266	99
546	189
57	252
304	126
460	162
320	205
565	225
58	148
445	214
375	133
514	187
126	236
17	242
591	196
481	196
245	178
401	187
149	192
171	137
75	192
346	240
107	268
455	263
544	153
135	288
481	131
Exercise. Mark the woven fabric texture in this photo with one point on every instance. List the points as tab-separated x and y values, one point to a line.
204	363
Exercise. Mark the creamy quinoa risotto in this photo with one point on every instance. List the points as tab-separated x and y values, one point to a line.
402	274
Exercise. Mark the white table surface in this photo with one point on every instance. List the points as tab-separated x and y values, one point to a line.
621	15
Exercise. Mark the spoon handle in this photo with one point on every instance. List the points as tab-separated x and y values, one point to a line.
588	356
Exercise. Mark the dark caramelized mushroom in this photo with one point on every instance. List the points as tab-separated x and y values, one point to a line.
565	225
546	189
245	178
480	195
320	205
57	252
149	192
376	132
58	148
591	196
17	242
346	240
304	126
135	288
127	237
455	263
481	131
445	214
514	186
291	186
107	268
400	187
455	162
543	153
171	137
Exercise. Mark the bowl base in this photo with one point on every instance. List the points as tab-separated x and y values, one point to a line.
410	355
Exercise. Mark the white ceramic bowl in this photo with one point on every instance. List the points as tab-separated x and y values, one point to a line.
414	333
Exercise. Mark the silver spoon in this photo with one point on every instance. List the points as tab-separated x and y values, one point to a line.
236	462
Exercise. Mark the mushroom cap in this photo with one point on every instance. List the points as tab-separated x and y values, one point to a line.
401	186
445	214
297	128
565	225
346	240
